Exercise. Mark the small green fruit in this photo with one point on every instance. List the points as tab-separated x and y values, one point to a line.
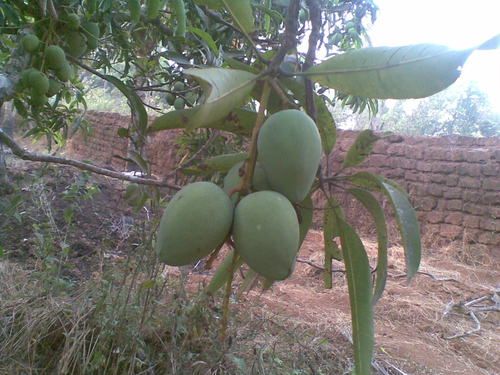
153	8
233	179
30	43
54	87
191	97
266	234
24	77
76	44
55	57
179	86
38	82
289	150
91	30
195	222
37	99
170	98
179	103
65	73
73	21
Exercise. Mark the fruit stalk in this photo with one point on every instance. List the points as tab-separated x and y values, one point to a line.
246	181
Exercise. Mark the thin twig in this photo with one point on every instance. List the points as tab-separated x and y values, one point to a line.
427	274
312	264
27	155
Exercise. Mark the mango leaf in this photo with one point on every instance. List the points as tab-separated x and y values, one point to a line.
238	121
372	205
324	122
413	71
404	212
360	149
225	90
241	11
139	113
206	37
222	273
222	163
360	297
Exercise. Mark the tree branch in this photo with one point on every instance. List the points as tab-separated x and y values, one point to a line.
26	155
315	15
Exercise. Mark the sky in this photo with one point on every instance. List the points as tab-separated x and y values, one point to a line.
455	23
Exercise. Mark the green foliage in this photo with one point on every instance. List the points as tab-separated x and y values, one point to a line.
204	54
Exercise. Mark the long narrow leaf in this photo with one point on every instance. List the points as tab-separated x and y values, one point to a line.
360	297
372	205
137	108
360	149
241	11
414	71
222	273
405	216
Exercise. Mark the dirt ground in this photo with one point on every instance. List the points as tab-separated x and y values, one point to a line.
413	330
415	323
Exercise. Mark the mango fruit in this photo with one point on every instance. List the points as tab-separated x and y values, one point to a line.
30	43
266	234
38	82
54	87
233	178
55	57
194	223
179	103
91	31
76	44
289	150
66	72
72	21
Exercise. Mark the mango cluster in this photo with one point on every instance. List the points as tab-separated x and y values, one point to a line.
49	67
269	224
178	98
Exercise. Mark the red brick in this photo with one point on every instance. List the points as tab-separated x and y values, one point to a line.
452	193
489	224
474	209
425	203
378	161
436	154
437	178
472	196
469	182
454	205
489	238
491	169
451	180
471	221
435	217
491	184
456	155
454	218
491	198
435	190
477	156
424	166
450	231
395	173
444	167
396	149
473	170
411	176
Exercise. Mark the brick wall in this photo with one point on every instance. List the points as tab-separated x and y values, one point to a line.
454	182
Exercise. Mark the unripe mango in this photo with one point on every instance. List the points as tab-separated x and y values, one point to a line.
76	44
179	103
233	179
38	81
266	234
54	87
30	43
195	222
289	150
37	99
55	57
73	21
66	72
91	31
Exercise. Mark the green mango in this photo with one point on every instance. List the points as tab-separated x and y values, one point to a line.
179	103
170	98
30	43
76	44
266	234
72	21
65	73
233	178
134	7
195	222
37	99
55	57
91	31
54	87
289	150
179	86
38	82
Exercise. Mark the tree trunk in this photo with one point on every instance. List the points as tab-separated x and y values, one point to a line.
7	126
